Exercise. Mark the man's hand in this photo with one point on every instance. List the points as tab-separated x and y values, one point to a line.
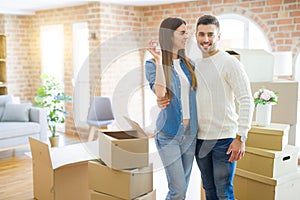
237	150
162	102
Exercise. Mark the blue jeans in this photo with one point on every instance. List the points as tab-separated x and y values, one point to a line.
216	171
177	155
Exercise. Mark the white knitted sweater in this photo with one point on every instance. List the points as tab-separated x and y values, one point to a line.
223	84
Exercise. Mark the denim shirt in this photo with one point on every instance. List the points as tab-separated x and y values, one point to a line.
169	120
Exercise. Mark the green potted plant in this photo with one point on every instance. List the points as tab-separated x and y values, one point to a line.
51	96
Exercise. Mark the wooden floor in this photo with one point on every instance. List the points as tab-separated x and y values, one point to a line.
16	171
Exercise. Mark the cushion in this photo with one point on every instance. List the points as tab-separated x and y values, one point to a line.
4	99
16	112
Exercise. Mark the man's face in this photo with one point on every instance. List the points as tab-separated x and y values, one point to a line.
207	37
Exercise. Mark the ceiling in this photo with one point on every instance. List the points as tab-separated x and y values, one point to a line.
29	7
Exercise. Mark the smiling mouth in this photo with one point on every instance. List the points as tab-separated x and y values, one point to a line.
207	45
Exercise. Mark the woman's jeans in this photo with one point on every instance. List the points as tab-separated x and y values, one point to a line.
177	155
216	171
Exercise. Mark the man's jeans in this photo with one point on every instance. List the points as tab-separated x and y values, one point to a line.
177	155
216	171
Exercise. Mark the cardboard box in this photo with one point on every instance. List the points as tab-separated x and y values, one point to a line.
61	173
124	149
273	137
250	186
270	163
256	60
124	184
101	196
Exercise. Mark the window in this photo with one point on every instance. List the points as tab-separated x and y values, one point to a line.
80	47
81	73
239	32
52	54
52	50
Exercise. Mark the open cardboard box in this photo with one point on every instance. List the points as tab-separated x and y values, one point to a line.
61	173
120	149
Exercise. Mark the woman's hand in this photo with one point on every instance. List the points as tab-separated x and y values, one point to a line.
155	51
160	81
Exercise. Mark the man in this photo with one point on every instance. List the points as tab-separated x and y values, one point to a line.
222	131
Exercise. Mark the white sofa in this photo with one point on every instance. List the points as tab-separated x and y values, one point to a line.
18	121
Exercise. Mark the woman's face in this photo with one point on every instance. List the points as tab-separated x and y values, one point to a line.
180	37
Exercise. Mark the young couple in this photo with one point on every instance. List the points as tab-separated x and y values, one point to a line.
198	114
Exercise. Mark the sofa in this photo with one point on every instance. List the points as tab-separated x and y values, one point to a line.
18	121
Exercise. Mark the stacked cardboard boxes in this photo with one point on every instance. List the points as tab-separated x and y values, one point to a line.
123	171
269	168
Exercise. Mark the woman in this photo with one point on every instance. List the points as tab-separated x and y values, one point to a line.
170	74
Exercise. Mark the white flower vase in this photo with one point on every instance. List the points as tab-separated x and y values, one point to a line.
263	114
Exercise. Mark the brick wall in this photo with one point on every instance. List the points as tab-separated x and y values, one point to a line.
117	29
279	19
18	63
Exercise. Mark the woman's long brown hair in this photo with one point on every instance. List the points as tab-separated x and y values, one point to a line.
166	35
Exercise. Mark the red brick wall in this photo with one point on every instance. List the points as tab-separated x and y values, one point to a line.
18	63
120	58
279	19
